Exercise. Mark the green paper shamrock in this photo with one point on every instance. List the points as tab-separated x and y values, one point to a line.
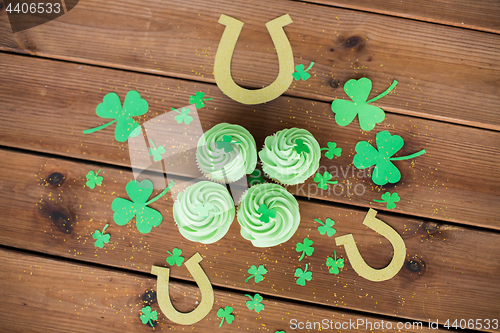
156	151
332	150
358	91
204	209
258	273
145	217
326	227
279	332
255	178
255	303
111	108
303	276
385	171
305	248
266	213
225	314
334	264
183	116
198	99
391	199
301	73
300	146
100	237
93	179
147	315
175	257
324	180
226	143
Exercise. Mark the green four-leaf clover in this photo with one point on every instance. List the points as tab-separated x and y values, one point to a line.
327	227
225	314
227	141
303	276
183	116
258	273
334	264
156	151
255	303
385	171
111	108
145	217
100	237
301	73
300	146
147	315
358	91
305	248
266	213
175	257
390	199
198	99
324	180
332	150
93	179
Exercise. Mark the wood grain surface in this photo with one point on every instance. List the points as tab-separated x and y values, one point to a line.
445	54
444	73
479	15
51	103
47	208
87	299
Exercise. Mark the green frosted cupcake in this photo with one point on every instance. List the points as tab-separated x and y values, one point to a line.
268	215
204	212
226	152
290	156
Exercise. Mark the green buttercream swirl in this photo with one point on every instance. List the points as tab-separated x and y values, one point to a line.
281	161
193	225
220	165
279	229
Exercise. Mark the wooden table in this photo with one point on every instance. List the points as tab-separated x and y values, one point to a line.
445	55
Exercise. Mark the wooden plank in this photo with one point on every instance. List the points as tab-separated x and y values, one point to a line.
47	208
444	73
70	297
478	15
46	105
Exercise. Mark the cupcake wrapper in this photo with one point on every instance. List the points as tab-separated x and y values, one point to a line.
209	176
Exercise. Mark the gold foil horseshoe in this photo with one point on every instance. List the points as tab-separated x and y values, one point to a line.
222	63
359	264
163	296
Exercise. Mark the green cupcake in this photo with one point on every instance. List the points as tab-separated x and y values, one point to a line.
204	212
268	215
290	156
226	152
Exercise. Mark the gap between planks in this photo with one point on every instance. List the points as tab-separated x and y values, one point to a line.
451	182
436	13
438	62
86	300
191	284
59	218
